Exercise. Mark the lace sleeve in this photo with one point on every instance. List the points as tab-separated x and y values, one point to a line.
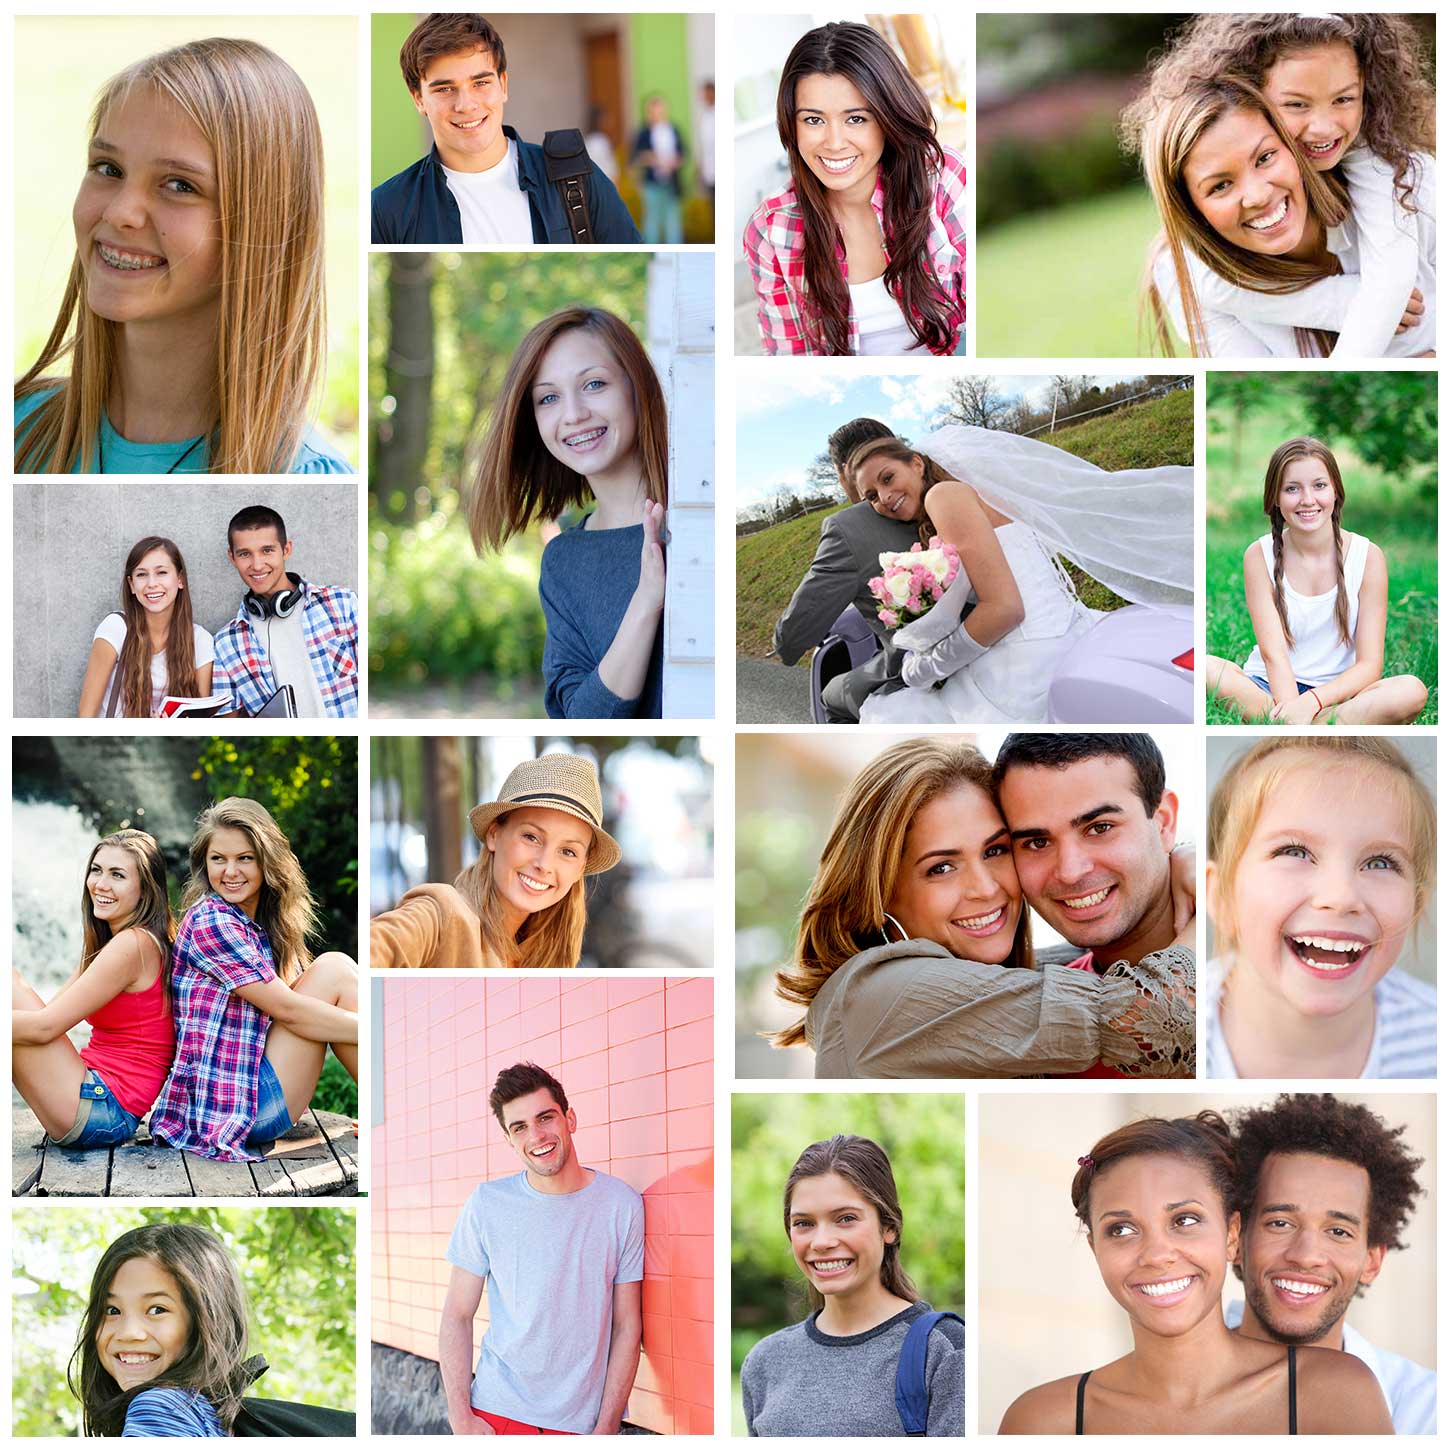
1148	1015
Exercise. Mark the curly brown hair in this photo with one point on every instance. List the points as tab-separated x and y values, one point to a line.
1325	1125
1395	69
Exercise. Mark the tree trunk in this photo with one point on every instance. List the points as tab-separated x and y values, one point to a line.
400	439
442	806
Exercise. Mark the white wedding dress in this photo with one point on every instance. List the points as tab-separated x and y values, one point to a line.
1008	685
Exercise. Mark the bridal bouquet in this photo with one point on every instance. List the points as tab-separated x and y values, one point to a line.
911	582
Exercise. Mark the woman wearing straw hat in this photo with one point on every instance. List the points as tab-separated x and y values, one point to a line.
521	904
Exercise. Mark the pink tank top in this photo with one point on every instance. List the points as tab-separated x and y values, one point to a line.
133	1040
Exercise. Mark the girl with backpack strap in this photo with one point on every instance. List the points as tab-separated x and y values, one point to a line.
858	1365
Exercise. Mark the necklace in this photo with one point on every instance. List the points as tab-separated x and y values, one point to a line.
101	450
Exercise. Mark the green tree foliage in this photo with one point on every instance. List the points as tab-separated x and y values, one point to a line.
925	1137
309	784
298	1266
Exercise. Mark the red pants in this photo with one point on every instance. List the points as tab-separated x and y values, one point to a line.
502	1425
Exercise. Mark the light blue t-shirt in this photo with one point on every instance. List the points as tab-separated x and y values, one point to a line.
551	1261
119	455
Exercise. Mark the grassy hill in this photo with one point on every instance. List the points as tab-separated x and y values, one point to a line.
770	564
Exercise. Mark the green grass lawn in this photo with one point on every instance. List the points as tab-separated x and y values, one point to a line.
1399	518
1064	283
770	564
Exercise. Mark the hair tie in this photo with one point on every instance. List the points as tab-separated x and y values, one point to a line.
1086	1161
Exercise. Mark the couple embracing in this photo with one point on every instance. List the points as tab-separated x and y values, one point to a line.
219	1027
1012	508
914	956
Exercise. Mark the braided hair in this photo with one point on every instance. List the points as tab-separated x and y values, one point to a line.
1285	454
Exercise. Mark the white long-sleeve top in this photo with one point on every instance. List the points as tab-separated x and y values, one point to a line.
1384	252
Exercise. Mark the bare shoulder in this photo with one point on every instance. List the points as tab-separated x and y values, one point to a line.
1049	1409
1338	1394
132	953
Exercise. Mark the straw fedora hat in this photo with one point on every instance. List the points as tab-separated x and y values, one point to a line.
567	783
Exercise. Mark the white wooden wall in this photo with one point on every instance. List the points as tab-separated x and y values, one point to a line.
682	347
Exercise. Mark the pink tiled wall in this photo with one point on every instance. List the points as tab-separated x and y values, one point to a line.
636	1059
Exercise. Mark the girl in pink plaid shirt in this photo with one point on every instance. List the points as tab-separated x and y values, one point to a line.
255	1013
866	251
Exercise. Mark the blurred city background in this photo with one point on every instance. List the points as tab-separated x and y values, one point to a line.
654	909
933	48
593	72
59	98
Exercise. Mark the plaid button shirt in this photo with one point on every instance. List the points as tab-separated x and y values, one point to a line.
209	1102
775	248
329	629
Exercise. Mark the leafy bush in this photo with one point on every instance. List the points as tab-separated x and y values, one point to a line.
437	611
1018	176
336	1092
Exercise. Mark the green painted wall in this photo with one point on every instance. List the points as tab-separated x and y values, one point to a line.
399	133
660	53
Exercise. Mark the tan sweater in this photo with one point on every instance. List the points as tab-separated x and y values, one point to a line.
432	926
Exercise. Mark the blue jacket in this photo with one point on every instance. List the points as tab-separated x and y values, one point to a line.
416	206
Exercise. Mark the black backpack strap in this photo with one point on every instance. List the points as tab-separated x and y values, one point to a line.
567	165
911	1391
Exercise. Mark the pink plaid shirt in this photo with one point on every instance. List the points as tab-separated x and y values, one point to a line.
775	249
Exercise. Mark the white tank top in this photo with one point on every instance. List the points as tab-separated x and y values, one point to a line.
881	326
1318	654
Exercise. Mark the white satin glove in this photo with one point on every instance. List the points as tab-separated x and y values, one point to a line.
921	669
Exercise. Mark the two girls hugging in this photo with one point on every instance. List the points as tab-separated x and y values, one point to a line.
192	335
1291	159
219	1027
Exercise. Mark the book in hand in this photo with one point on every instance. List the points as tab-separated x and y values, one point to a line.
184	707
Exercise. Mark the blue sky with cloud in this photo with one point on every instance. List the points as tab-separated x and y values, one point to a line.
785	413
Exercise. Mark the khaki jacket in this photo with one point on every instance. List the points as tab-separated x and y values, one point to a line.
432	926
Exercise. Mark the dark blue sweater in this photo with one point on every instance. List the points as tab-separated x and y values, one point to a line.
586	581
416	206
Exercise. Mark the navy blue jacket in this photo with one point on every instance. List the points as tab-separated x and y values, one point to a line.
416	206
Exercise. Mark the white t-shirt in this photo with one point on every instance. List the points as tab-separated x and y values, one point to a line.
112	629
286	647
883	331
494	210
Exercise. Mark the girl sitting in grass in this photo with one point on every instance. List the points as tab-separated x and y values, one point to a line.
1318	597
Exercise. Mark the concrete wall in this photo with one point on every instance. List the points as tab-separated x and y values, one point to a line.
636	1059
71	542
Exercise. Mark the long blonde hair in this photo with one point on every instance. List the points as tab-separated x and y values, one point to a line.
259	120
845	909
519	480
1286	453
1240	795
1168	137
553	937
286	911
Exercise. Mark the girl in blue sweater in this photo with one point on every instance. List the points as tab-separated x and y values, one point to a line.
581	418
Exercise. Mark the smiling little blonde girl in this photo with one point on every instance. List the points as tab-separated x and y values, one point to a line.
1321	861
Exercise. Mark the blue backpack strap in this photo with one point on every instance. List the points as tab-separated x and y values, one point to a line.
911	1396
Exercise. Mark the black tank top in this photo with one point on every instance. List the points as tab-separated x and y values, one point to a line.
1293	1397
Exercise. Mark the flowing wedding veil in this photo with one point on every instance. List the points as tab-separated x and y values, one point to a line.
1131	530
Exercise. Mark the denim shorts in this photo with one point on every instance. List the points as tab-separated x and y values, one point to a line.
101	1122
273	1119
1264	685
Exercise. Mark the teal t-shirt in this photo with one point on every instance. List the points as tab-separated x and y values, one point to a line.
119	455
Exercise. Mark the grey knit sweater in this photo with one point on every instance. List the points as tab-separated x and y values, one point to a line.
799	1381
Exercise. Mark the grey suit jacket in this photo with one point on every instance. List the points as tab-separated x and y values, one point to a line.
852	542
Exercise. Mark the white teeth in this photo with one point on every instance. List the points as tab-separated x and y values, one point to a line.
1263	223
1168	1286
534	885
1320	148
837	166
830	1266
1297	1286
469	125
1078	902
541	1152
977	923
1330	944
575	440
129	261
1347	953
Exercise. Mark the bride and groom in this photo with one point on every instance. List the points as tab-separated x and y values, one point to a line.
1013	508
